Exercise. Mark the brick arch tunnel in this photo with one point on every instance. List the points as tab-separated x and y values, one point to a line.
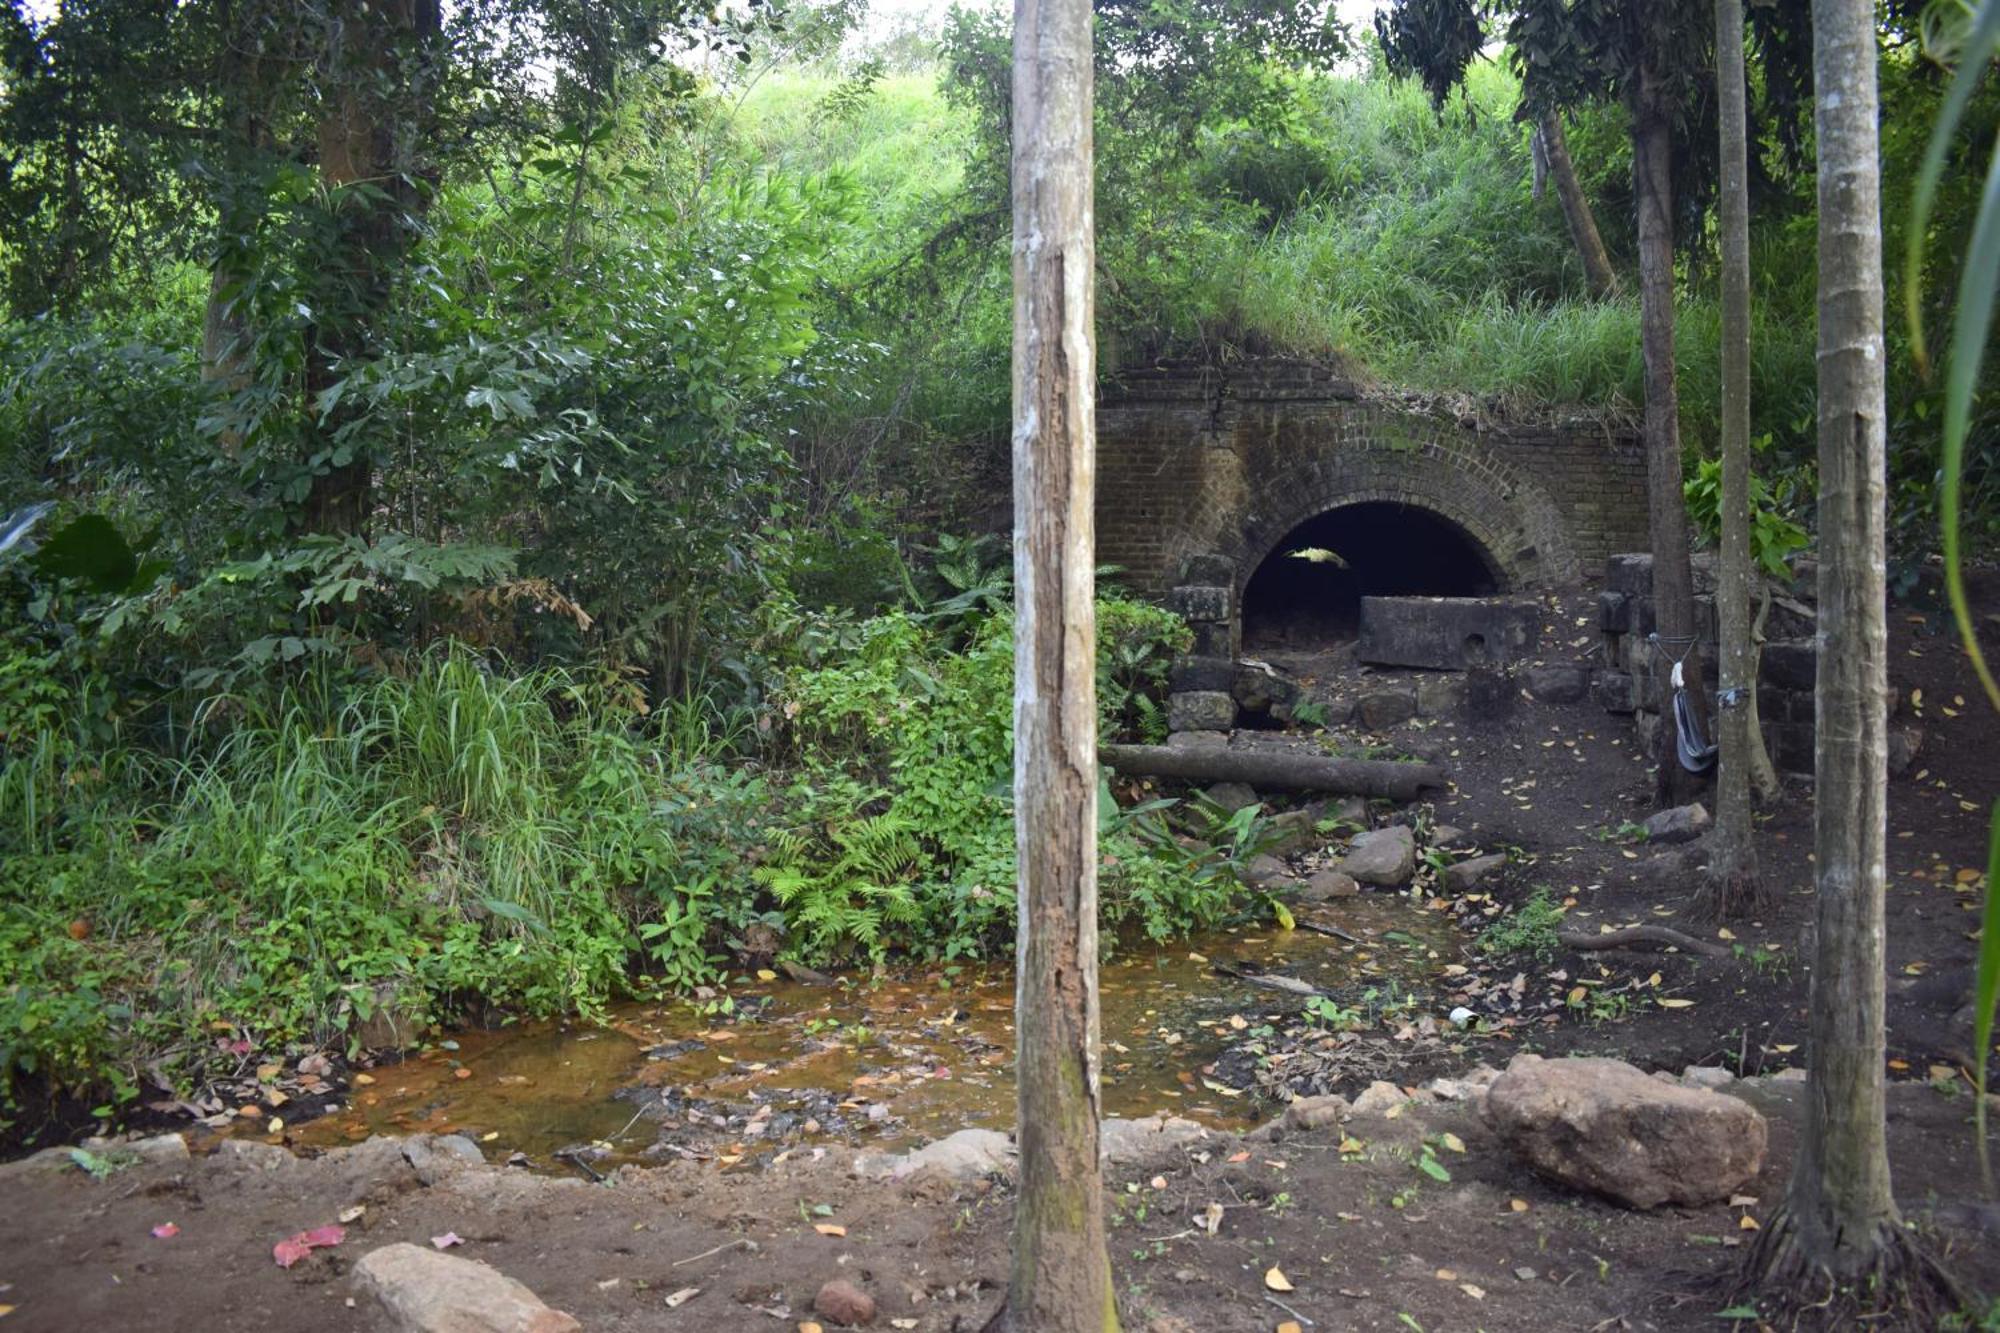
1305	591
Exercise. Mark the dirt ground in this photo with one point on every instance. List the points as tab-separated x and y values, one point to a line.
1366	1238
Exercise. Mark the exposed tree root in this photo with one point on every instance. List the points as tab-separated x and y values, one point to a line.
1729	894
1903	1288
1637	936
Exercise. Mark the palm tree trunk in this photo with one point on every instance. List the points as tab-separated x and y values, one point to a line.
1061	1280
1666	502
1838	1243
1732	887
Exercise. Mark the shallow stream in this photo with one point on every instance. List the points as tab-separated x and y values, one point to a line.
890	1060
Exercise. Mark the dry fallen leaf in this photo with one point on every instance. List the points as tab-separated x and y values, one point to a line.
1478	1293
1290	1326
1446	1275
1275	1279
1452	1141
461	1073
808	1326
1238	1157
447	1240
363	1080
1747	1222
829	1228
1518	1205
1676	1004
354	1213
682	1297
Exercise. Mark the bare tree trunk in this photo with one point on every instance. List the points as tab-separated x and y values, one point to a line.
1838	1241
1576	208
1061	1281
1732	887
1666	502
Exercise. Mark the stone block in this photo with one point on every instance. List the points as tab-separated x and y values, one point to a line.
1791	746
1214	639
1614	612
1200	710
1446	633
1790	665
1259	688
1199	602
1630	573
1614	691
1191	674
1209	571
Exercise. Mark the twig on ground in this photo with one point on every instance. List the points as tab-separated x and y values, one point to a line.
1634	936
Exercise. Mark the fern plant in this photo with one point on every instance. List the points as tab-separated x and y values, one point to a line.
840	891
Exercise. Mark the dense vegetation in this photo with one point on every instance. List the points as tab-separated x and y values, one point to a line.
524	612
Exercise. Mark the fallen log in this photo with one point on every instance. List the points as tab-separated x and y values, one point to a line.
1277	770
1632	936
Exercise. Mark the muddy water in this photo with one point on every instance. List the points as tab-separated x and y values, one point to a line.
889	1061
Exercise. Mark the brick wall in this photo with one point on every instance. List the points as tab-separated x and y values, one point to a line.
1197	459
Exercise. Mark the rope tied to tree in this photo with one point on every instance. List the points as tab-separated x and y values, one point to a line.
1696	754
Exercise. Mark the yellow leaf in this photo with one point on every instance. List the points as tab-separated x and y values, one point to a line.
1786	1050
766	974
1453	1142
808	1326
1283	914
829	1228
1290	1326
1676	1004
1275	1279
1196	958
6	1310
363	1080
1477	1293
1653	980
1446	1275
1747	1223
276	1126
1518	1205
1725	934
489	1136
1577	994
729	1159
1899	1065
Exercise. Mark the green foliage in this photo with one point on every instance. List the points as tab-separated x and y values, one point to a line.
1773	537
1529	929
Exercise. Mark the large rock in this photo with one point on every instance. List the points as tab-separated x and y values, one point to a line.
1466	875
1124	1141
1446	633
968	1154
1601	1125
428	1292
1385	856
1324	886
1558	682
1382	709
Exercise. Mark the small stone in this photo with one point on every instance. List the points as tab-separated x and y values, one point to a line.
1384	856
1465	875
1378	1098
1326	885
428	1292
1683	823
841	1302
1707	1076
1232	796
1322	1112
1447	835
1525	1273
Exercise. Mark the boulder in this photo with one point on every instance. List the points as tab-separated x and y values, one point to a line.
1383	856
1466	875
968	1154
1266	872
1259	688
425	1291
1603	1126
1201	673
843	1304
1683	823
1382	709
1209	602
1292	831
1326	885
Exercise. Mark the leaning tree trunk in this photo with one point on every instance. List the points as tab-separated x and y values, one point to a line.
1837	1243
1576	208
1061	1281
1666	502
1732	887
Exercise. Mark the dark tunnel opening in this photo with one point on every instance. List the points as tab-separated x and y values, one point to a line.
1307	593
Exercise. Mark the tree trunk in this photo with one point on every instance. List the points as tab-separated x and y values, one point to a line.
1732	887
1666	502
1061	1280
1278	770
380	65
1838	1235
1576	208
